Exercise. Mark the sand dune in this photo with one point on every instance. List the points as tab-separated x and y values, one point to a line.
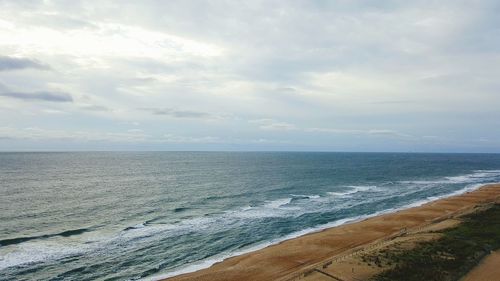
487	270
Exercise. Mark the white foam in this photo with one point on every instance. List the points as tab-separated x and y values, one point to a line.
362	187
476	176
353	189
278	203
425	182
246	208
488	171
275	208
341	193
460	179
269	210
140	225
34	252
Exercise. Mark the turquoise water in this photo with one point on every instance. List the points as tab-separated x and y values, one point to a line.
123	216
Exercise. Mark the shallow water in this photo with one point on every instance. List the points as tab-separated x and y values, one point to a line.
121	216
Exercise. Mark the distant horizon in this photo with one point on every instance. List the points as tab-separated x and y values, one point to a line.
246	151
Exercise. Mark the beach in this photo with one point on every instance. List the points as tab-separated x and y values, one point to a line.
314	256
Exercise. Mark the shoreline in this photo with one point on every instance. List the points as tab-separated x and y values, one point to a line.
294	235
292	254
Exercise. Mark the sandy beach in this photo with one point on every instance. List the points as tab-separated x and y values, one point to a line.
328	255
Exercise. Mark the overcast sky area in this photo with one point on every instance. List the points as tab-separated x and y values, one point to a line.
410	76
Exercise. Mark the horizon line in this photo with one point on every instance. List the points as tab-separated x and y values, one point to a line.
244	151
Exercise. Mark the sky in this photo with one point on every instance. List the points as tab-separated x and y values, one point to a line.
403	76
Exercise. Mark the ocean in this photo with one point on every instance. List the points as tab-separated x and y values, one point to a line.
146	215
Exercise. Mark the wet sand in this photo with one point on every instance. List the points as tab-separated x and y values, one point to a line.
304	256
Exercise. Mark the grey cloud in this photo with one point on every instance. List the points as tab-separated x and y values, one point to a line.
372	132
61	21
334	131
184	139
36	133
12	63
396	102
388	133
40	95
58	14
92	107
270	124
3	88
156	66
286	90
175	113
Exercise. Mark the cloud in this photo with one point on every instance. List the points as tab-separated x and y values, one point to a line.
40	95
61	20
273	125
388	133
3	88
335	74
40	134
334	131
371	132
183	139
130	136
181	114
93	107
107	40
13	63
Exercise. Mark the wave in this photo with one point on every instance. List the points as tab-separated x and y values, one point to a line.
303	197
353	189
181	209
251	248
278	203
281	207
218	258
478	176
137	226
221	257
295	205
66	233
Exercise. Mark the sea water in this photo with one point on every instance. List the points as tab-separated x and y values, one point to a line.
146	215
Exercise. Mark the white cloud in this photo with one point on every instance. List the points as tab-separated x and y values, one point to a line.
183	139
334	131
273	125
388	133
270	124
40	134
106	40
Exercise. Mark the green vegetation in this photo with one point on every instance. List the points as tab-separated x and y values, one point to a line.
447	258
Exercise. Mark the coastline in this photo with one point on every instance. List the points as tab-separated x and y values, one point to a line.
292	258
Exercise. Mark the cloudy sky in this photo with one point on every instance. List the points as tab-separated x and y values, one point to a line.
250	75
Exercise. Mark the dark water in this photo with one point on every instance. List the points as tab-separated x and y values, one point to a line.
121	216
